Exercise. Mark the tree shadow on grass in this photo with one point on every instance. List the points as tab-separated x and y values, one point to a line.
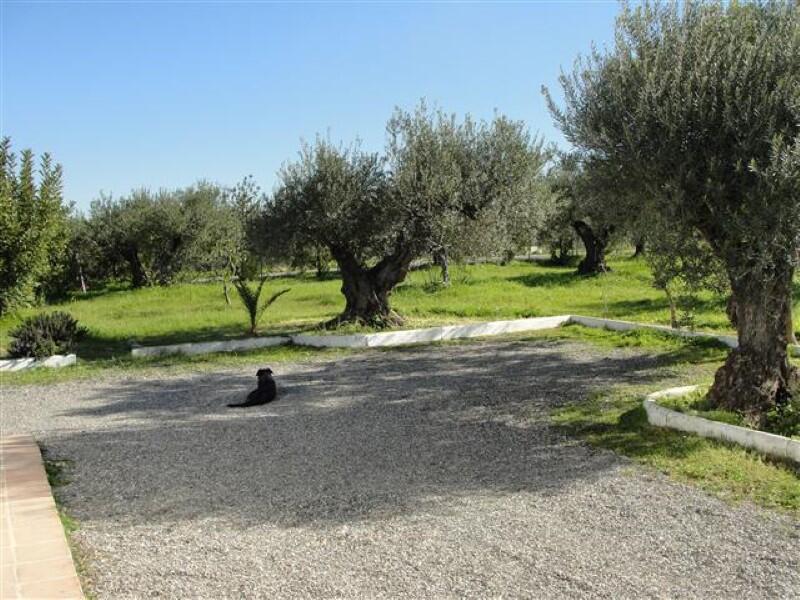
360	438
629	432
549	279
643	305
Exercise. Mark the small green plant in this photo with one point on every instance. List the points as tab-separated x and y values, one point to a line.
45	334
250	298
785	418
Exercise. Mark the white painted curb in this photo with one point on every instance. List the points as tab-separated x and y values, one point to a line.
431	334
422	336
768	443
55	361
209	347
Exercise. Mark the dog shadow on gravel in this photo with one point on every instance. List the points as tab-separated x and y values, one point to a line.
366	437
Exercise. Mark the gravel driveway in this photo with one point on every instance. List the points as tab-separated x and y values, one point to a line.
425	473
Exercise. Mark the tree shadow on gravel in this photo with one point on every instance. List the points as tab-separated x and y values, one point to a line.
367	437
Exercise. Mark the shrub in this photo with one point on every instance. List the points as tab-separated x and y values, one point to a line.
784	419
45	335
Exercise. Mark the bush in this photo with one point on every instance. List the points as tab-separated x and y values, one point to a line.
785	418
44	335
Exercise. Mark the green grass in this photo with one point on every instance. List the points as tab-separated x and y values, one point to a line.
615	419
197	312
118	317
696	404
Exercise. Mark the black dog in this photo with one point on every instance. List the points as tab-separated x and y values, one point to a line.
265	392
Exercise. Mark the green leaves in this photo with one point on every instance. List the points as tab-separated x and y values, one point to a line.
32	224
44	335
250	298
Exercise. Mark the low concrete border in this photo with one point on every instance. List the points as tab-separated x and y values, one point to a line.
55	361
768	443
209	347
428	335
423	336
35	558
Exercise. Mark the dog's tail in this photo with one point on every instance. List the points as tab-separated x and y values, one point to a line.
238	405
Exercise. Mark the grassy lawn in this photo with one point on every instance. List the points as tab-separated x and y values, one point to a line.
614	419
197	312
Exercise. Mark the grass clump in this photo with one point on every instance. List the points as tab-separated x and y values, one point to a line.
696	404
616	420
57	470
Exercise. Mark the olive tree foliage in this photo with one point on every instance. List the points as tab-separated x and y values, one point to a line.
472	184
222	222
375	214
682	265
553	229
79	265
152	237
32	223
696	107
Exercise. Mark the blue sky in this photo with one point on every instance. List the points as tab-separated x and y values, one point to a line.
162	94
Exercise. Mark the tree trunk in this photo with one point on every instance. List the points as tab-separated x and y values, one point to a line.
595	243
638	248
367	290
138	274
225	290
440	259
80	276
757	376
673	309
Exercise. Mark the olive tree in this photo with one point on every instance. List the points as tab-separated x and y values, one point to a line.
340	197
472	185
696	107
152	237
588	204
218	225
376	214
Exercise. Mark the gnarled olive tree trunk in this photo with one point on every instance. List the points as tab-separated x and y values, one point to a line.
757	376
595	243
367	290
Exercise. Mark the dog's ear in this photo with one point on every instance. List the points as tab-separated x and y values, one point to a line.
268	371
261	372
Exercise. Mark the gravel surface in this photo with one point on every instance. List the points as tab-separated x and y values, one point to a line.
425	473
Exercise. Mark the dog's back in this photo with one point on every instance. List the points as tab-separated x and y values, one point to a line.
266	391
